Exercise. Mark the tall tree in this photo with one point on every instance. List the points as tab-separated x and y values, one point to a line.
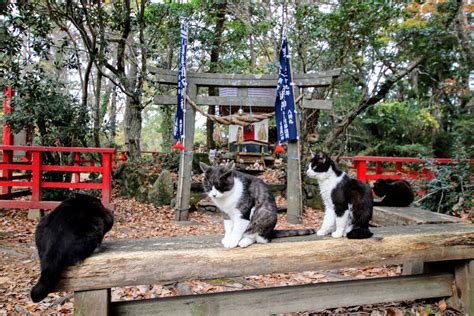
218	14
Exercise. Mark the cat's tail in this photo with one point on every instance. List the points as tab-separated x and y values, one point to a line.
359	233
50	276
280	233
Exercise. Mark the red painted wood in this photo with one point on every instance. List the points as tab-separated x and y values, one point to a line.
28	204
76	177
37	168
7	158
68	185
16	183
361	167
75	169
15	166
37	175
7	108
360	164
378	167
106	178
59	149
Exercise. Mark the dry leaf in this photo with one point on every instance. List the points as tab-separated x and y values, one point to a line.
442	305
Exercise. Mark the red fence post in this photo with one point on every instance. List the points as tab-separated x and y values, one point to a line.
36	176
76	175
378	167
8	139
7	108
361	167
106	178
399	166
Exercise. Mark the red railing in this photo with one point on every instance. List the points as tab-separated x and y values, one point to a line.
371	167
36	181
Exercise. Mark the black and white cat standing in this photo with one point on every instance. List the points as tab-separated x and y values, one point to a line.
347	202
250	210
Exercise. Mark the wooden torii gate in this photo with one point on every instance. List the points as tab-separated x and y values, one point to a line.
196	80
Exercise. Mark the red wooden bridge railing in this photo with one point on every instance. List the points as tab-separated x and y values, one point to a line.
366	171
36	181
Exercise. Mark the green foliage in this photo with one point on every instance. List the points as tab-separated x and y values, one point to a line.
463	134
55	115
450	191
169	160
400	129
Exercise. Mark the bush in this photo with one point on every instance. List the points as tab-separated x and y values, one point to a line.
450	191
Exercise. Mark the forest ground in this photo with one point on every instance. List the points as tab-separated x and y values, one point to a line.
19	264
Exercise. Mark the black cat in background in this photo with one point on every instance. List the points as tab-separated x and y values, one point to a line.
68	235
394	192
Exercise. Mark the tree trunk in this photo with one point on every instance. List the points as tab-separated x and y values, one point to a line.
463	37
133	127
215	52
98	88
113	116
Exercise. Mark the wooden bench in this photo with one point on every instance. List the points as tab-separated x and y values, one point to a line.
447	251
393	216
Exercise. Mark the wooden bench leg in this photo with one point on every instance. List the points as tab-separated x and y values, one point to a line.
412	267
93	303
463	296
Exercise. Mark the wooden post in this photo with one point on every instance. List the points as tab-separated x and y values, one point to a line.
76	176
7	158
94	302
378	167
36	179
361	167
413	267
399	166
294	195
463	296
8	139
183	194
106	178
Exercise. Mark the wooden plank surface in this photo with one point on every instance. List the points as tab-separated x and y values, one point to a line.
92	303
183	193
313	297
463	297
154	260
395	216
171	77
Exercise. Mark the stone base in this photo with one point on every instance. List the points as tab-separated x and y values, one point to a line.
35	213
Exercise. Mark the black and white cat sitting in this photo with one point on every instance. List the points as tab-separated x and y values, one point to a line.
347	201
394	192
250	210
68	235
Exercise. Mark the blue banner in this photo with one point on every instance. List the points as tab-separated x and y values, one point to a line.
285	113
179	122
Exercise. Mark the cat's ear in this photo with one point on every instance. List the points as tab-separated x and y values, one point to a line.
203	166
312	153
322	156
230	165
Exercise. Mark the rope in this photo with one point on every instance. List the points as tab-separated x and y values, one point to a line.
235	119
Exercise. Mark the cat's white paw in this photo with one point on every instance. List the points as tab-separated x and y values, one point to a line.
245	242
231	243
322	232
336	235
224	240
